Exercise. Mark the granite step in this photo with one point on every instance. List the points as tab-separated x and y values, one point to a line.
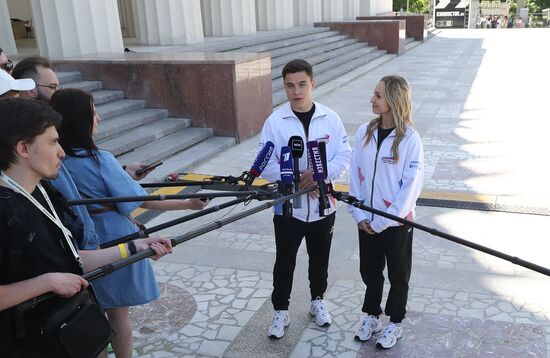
136	137
373	59
128	121
69	76
104	96
285	42
332	62
236	42
88	86
185	160
119	107
306	45
309	54
167	146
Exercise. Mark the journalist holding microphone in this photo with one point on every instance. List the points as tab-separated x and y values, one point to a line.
301	120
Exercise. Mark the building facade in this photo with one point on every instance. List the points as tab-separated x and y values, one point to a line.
66	28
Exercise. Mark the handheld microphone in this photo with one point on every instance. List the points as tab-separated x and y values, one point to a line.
296	144
319	174
259	164
287	177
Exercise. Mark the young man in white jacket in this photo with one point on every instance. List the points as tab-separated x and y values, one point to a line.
300	116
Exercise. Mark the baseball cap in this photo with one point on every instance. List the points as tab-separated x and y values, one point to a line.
8	83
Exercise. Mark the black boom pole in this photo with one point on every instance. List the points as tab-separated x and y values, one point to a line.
345	197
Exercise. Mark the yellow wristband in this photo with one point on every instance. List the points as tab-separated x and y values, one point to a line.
123	252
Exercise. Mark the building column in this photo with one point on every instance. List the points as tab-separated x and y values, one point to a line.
66	28
229	17
306	12
333	10
274	15
6	33
351	9
168	22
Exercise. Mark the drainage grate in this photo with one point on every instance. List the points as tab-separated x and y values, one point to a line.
469	205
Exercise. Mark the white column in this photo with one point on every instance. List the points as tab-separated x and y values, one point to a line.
333	10
306	12
351	9
6	33
65	28
364	8
168	22
229	17
274	15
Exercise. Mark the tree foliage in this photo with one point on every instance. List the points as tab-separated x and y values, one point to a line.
415	6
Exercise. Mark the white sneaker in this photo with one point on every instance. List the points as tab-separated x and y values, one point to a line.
319	311
390	336
369	325
281	319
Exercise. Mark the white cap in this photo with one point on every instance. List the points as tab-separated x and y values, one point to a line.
8	83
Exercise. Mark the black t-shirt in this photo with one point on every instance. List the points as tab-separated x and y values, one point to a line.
382	134
305	117
38	246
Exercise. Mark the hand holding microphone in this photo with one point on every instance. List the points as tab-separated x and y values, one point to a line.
296	144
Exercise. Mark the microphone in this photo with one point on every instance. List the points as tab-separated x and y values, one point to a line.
259	164
296	144
319	174
287	177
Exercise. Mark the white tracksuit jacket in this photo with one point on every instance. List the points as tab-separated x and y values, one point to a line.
325	126
383	184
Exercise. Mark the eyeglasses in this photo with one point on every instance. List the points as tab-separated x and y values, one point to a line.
53	86
8	66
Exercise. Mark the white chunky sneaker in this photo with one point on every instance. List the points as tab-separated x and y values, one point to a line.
369	326
281	319
319	311
390	336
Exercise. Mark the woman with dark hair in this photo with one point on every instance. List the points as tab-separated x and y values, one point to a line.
96	174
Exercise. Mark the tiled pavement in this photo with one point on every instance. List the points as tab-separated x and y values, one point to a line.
481	107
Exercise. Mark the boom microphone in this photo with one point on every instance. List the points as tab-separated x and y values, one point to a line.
259	164
296	144
319	174
287	177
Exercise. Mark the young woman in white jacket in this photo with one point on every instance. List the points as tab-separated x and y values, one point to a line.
386	173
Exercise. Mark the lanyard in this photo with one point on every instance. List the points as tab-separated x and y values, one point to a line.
55	219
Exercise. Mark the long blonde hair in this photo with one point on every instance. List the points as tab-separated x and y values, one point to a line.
397	94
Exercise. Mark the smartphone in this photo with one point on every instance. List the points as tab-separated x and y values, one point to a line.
148	168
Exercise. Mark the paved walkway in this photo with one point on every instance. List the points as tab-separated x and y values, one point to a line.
481	107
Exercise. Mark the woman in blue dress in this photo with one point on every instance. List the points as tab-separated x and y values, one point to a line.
96	174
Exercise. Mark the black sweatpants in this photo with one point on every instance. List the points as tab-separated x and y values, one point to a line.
289	233
394	245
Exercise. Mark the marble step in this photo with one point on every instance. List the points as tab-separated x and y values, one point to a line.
139	136
278	63
167	146
119	107
88	86
125	122
372	59
186	159
270	46
104	96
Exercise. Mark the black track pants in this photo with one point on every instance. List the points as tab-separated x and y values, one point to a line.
393	245
288	237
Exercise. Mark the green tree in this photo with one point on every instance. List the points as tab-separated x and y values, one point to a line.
415	6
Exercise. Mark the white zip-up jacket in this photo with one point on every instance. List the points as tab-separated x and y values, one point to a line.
325	126
380	182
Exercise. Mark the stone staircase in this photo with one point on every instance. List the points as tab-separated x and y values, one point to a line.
134	133
331	53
